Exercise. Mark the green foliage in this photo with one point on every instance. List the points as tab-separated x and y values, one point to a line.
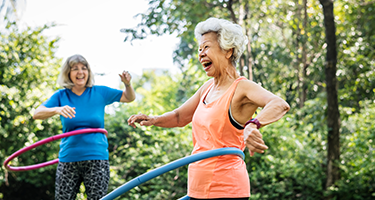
133	152
28	70
293	167
280	36
358	155
356	58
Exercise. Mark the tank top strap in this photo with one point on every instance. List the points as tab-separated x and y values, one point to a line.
227	97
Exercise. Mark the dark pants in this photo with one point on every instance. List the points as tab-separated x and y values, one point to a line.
93	173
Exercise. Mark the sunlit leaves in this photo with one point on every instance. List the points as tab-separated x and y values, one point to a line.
28	73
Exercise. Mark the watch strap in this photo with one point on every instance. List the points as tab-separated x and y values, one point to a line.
254	121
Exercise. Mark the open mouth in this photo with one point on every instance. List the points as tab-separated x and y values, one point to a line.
206	64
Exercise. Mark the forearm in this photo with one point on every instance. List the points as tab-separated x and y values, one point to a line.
129	93
273	111
43	112
170	120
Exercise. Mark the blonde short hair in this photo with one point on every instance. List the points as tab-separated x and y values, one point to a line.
64	76
230	35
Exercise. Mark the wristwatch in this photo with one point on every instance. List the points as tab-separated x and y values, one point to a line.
254	121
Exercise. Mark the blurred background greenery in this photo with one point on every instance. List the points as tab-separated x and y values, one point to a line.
287	55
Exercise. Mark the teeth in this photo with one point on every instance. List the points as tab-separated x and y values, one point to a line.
206	63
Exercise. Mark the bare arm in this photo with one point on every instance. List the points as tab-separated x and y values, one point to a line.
177	118
273	109
128	95
43	112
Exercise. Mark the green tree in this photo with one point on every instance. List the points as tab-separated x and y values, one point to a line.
286	55
133	152
333	115
28	72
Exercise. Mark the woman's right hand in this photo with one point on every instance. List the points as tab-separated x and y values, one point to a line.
66	111
254	140
141	119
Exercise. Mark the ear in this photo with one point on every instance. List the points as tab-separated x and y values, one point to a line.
229	53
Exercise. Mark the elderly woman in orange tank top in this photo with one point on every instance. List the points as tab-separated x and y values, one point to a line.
221	113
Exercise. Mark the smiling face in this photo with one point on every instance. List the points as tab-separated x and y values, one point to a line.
79	74
211	56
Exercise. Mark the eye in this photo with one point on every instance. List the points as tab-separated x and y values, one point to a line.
200	49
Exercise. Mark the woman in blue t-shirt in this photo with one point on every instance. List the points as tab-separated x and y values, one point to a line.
84	157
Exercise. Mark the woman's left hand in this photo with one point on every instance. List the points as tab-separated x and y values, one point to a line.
125	77
254	140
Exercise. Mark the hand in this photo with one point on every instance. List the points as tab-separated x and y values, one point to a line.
142	119
253	140
66	111
125	77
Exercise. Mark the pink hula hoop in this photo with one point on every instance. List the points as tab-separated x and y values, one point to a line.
44	141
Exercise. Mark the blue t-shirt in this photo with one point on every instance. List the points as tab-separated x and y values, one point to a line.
90	110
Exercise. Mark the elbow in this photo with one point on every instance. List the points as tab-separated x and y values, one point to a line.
132	99
180	125
282	105
181	121
36	116
286	106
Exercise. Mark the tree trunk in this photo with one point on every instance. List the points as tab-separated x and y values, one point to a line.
298	55
304	56
333	115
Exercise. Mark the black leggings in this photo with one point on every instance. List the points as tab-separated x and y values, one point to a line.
93	173
242	198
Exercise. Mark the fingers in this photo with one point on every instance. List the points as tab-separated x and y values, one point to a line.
125	77
67	112
141	119
254	141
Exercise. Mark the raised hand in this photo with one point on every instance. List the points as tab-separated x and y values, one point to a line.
125	77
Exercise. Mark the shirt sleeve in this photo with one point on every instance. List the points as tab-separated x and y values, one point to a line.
53	101
110	95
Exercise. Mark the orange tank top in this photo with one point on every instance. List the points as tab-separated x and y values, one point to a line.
221	176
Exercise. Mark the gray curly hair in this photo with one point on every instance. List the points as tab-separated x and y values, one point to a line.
230	35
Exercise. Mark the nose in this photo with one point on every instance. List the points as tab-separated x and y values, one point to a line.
202	54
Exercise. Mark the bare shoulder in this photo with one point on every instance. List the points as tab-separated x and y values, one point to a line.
246	83
253	92
204	87
246	86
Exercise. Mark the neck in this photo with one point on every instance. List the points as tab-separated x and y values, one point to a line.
225	79
226	73
223	82
78	90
